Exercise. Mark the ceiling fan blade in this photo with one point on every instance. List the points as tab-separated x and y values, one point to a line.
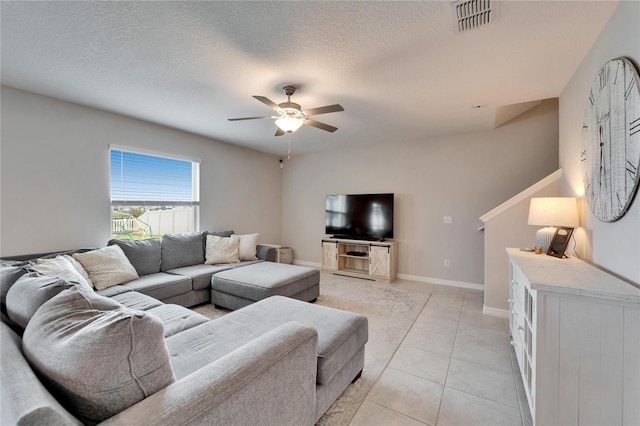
323	110
268	102
279	132
320	125
249	118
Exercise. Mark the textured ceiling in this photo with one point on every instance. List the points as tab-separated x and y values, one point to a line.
397	68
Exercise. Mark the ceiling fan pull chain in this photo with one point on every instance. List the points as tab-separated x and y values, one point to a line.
289	152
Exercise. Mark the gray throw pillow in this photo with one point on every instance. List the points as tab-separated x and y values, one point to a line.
144	255
8	276
29	293
180	250
99	356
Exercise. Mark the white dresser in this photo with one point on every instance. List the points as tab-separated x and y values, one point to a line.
576	333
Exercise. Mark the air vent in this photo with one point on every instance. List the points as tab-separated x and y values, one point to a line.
471	14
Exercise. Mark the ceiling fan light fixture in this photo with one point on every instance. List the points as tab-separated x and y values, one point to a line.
289	124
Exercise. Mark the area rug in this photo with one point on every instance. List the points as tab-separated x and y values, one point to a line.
390	312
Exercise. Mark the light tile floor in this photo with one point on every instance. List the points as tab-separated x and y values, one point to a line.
454	367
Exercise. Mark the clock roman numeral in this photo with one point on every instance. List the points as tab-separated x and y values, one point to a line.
604	77
615	80
634	126
592	98
620	205
583	155
631	169
627	92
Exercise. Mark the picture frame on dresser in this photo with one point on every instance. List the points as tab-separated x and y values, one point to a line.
559	242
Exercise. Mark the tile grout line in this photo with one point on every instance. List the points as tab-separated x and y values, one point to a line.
444	386
516	376
389	362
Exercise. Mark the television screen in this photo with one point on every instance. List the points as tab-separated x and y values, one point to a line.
359	216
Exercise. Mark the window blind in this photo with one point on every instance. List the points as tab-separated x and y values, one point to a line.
144	180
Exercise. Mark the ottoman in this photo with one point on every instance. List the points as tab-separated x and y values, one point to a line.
239	287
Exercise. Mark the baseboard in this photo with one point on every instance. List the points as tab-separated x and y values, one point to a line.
439	281
495	312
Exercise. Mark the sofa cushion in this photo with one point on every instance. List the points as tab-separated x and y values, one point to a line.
181	250
61	267
201	274
341	334
161	285
112	291
218	233
247	248
107	266
138	301
99	356
23	398
176	318
29	293
144	255
222	250
8	276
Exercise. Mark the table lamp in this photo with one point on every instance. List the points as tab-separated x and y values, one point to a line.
551	212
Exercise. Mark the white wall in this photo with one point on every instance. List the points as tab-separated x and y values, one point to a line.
508	228
462	176
55	175
612	246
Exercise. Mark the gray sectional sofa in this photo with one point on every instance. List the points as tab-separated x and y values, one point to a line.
134	354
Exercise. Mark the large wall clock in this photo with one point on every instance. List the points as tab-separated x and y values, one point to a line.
610	153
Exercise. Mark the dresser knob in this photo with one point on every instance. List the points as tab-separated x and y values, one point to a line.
510	300
512	343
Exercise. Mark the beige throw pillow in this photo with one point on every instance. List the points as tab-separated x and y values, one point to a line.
248	246
80	269
60	267
107	266
222	250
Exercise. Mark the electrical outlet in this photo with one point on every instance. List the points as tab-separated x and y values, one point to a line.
447	219
447	263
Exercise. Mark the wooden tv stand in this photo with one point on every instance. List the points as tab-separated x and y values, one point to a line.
371	260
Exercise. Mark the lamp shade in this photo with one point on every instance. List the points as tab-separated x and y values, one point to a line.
289	124
554	211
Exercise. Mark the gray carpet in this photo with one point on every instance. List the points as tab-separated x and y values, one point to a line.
390	311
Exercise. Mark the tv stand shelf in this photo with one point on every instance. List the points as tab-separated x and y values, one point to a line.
379	262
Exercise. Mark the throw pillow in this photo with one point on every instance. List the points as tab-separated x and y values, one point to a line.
180	250
248	246
144	255
99	356
107	266
222	250
8	277
78	267
29	293
217	234
60	267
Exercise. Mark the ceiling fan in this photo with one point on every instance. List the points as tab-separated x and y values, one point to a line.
290	116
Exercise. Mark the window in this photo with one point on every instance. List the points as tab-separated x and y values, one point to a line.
152	195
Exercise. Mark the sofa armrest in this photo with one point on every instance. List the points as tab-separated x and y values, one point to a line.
270	380
268	252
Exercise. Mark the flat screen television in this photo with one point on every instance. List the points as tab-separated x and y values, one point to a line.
359	216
